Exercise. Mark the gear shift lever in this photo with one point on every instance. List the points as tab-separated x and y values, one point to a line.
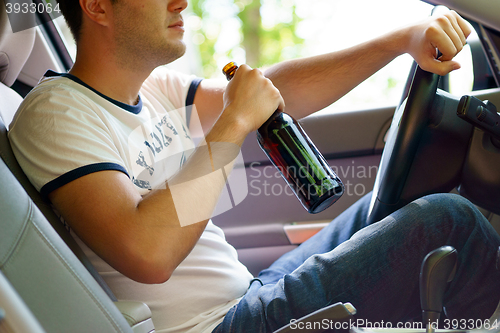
438	268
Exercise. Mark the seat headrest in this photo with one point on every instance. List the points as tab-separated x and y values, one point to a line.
15	48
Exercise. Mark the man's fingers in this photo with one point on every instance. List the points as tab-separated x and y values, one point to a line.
459	29
281	105
444	67
451	36
439	67
446	46
465	26
275	95
449	45
448	33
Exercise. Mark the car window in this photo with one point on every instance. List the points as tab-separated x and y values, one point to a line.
216	31
66	36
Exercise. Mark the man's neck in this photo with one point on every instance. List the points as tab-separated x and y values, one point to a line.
109	79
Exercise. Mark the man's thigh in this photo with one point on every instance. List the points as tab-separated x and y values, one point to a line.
336	232
377	270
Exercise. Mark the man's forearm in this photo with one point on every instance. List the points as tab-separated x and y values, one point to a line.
187	202
310	84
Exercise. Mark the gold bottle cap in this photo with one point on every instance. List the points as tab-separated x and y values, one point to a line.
229	70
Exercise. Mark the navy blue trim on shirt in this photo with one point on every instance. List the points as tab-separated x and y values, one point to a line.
131	108
190	98
77	173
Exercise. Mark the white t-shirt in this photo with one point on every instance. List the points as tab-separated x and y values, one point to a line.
64	130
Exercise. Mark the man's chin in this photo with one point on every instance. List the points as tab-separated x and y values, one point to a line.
180	49
175	52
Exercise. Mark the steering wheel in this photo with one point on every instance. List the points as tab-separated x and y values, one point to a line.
426	145
408	125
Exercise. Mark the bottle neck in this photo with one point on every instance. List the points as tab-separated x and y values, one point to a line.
229	70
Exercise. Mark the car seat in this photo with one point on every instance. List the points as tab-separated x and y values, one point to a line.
39	259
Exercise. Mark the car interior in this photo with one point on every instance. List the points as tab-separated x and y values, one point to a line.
433	142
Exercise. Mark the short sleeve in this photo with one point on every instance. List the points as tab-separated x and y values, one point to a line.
58	137
178	88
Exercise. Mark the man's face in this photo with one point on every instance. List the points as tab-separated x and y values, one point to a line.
149	31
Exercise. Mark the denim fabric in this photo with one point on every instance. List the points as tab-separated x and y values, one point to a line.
377	269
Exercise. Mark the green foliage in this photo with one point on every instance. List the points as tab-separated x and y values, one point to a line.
234	30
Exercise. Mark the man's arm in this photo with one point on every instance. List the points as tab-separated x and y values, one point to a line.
142	237
310	84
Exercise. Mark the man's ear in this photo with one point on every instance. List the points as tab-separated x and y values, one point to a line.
97	10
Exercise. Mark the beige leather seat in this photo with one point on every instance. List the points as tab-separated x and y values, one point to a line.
43	271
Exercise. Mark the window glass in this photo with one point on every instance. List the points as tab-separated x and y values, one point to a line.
461	81
263	32
66	36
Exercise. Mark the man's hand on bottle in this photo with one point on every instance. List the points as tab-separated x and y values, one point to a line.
446	33
250	98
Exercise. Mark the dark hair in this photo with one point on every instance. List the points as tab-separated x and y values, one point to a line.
73	13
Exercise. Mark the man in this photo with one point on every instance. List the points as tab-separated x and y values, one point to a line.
101	142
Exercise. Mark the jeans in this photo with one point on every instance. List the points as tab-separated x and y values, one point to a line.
377	268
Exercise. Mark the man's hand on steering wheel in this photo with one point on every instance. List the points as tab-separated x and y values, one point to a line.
446	33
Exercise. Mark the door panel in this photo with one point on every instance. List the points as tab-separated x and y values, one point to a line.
352	143
341	134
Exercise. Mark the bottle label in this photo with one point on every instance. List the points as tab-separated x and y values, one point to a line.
301	165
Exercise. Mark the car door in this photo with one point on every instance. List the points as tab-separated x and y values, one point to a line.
270	220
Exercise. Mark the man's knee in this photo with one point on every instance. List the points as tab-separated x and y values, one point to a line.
441	200
446	205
